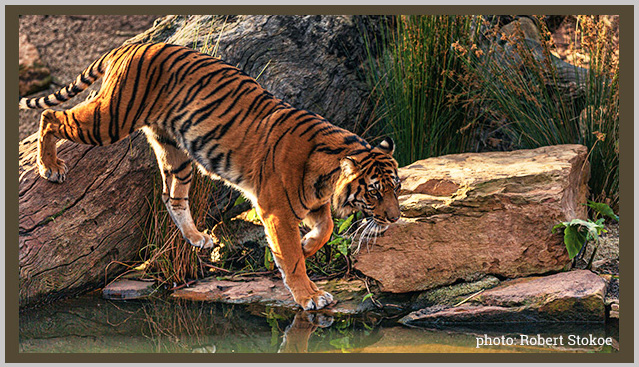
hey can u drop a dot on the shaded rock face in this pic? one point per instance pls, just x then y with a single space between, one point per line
70 233
469 215
574 296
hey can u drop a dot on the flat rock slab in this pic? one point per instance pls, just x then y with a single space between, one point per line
269 291
574 296
128 289
468 215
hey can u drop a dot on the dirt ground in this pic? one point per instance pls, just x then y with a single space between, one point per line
69 43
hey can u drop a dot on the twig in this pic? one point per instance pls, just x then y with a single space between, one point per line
187 284
215 267
469 298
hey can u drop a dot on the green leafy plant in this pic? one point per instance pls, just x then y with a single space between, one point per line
333 260
578 232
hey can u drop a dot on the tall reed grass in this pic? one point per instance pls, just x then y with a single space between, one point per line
436 83
543 101
413 74
168 257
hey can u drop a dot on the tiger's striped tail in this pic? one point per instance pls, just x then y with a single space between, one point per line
82 82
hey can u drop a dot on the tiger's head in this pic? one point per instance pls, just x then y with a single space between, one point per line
369 183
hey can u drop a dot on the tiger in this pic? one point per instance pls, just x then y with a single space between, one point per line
197 111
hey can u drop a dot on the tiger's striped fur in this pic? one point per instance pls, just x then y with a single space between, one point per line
291 163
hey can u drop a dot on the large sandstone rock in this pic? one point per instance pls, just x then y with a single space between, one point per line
468 215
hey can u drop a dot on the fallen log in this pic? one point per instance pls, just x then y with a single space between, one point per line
70 233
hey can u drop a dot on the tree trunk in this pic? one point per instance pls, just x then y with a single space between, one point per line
70 233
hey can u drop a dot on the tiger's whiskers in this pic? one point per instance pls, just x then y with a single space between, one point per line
368 230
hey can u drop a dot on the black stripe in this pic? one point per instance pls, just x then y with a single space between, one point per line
84 80
326 128
47 102
239 97
181 167
186 177
134 94
330 151
354 139
114 118
227 166
214 162
277 142
80 132
163 139
58 96
319 122
96 125
301 200
75 89
279 120
303 122
295 267
290 205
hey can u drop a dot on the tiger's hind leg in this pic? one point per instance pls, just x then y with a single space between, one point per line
177 172
321 224
87 123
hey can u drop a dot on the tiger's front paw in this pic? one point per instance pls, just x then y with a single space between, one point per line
54 172
319 319
317 301
201 240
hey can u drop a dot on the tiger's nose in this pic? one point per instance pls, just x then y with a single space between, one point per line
392 219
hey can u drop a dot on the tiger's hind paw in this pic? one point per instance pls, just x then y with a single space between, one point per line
202 240
55 172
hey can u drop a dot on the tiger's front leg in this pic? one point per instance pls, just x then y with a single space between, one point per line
284 240
177 172
321 224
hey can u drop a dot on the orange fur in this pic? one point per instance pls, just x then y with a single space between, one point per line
292 164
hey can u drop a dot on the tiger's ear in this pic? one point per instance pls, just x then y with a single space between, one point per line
349 166
387 146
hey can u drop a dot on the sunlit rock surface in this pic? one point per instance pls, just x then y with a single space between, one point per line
468 215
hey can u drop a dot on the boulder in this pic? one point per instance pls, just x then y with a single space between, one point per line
574 296
468 215
73 235
33 75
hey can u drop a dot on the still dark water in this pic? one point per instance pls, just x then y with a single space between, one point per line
90 324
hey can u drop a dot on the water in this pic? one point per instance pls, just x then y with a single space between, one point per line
90 324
